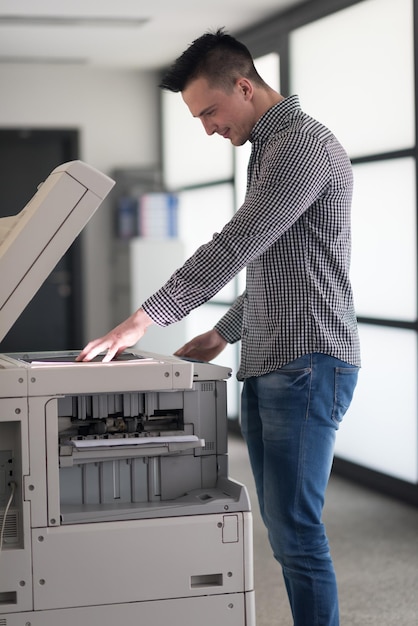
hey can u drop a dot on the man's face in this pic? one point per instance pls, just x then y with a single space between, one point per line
229 114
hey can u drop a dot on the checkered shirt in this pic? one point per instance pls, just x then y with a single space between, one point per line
292 233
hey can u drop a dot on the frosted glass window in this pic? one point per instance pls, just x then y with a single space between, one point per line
353 70
190 156
202 212
379 430
383 268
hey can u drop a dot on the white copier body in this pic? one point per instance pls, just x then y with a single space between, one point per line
115 502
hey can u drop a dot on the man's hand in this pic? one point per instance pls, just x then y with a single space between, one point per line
118 339
203 347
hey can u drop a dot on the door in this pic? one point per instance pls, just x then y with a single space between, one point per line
52 320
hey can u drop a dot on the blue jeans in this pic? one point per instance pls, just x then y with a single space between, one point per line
289 421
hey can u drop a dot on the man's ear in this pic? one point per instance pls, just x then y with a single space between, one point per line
245 86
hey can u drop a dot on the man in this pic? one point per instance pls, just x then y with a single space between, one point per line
296 320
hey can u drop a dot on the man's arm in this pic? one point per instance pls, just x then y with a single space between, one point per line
209 345
118 339
205 347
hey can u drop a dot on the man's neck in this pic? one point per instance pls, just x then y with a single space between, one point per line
265 99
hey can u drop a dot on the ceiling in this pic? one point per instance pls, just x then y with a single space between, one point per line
121 33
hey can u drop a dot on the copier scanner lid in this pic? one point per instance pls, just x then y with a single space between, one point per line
33 241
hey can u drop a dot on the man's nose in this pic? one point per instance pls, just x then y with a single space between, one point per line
209 127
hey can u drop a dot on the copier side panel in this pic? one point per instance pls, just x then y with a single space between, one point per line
15 514
206 408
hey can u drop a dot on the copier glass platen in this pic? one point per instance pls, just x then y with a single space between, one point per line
115 500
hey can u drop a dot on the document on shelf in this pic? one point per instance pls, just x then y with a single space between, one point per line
133 441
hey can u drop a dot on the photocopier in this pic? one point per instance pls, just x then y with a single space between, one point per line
116 506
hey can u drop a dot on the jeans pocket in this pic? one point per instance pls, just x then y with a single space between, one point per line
345 382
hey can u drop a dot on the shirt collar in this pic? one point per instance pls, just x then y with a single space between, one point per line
274 118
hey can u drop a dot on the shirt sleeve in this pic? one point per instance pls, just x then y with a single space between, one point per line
292 173
230 325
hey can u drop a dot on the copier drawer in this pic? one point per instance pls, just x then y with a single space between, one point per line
235 609
150 559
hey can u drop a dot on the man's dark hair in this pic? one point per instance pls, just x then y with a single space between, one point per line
218 57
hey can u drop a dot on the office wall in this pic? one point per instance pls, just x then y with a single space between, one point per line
116 114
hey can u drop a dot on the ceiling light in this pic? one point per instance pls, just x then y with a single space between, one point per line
71 20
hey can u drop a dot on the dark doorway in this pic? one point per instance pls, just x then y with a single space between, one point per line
52 320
